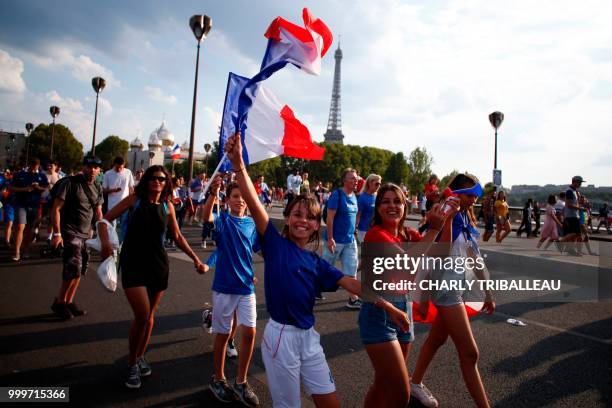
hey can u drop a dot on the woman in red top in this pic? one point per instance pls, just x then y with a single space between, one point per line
387 343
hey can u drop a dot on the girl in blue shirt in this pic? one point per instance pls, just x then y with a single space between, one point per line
293 276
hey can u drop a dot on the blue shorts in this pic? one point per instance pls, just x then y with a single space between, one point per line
8 213
489 222
375 326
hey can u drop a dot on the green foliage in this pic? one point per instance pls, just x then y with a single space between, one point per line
66 149
446 179
110 148
419 169
397 171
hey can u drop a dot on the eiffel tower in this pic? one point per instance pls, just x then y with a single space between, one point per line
334 123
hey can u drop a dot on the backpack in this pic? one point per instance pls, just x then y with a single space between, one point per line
70 179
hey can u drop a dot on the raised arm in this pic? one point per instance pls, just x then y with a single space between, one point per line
207 210
233 148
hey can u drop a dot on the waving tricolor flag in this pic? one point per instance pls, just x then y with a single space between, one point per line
269 128
175 152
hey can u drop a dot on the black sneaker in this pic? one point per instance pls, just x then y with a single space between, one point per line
221 390
144 367
354 304
245 393
133 379
61 310
74 309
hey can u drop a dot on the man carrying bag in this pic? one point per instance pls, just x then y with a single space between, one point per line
77 201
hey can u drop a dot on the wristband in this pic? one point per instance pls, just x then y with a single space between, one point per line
57 234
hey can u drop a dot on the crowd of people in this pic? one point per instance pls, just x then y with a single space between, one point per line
150 208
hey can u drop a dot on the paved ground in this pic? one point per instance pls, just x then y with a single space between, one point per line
562 358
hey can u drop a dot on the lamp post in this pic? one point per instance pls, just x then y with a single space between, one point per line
496 118
200 26
29 127
55 111
207 148
98 84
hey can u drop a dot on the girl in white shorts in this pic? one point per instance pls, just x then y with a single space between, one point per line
452 313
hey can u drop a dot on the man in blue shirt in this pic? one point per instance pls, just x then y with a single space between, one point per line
339 236
28 186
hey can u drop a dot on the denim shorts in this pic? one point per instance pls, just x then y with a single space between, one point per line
375 326
346 254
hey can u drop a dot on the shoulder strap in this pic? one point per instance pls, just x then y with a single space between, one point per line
87 192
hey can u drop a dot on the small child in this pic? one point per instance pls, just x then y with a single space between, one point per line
233 290
549 229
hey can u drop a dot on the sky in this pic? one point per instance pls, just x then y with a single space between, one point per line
414 73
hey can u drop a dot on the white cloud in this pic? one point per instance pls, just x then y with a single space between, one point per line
158 95
431 74
10 73
73 115
82 67
105 106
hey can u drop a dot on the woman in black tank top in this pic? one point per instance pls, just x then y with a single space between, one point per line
143 259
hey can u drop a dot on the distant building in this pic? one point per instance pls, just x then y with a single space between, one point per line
161 142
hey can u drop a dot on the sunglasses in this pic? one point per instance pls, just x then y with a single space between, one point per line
159 179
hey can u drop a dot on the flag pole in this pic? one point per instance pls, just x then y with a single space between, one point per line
215 172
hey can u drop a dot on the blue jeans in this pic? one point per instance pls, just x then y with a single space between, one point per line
346 254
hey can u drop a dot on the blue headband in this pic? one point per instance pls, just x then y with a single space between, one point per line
476 190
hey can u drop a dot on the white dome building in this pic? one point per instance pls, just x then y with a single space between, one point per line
164 136
136 144
155 144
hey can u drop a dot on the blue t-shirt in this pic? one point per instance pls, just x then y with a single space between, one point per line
293 277
365 204
24 179
236 242
345 217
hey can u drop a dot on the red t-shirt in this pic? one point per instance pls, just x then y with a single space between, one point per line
378 234
430 191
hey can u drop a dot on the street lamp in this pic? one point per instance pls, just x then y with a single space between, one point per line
200 26
54 111
29 127
496 118
207 148
98 84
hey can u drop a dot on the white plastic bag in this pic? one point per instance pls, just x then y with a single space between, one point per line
96 244
107 274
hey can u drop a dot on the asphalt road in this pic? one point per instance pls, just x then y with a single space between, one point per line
562 358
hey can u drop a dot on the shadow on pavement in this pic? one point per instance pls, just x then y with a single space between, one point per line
578 364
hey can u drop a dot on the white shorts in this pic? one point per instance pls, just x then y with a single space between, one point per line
224 306
290 353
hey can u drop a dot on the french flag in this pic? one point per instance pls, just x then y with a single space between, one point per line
302 46
270 129
288 43
175 153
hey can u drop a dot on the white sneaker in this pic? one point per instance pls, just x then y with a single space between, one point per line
203 245
231 351
422 393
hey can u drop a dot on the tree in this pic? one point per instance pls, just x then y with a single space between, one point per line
419 169
397 170
110 148
66 149
446 179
